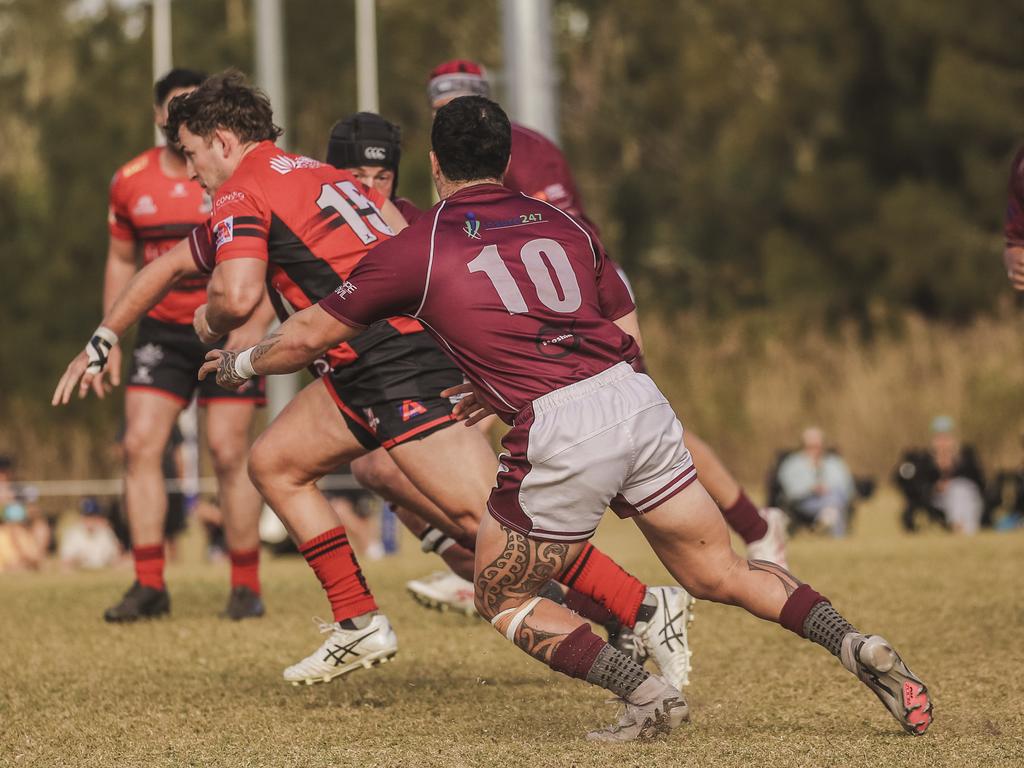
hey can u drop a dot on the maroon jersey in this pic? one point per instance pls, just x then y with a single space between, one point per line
539 169
310 221
407 208
155 211
1013 225
518 293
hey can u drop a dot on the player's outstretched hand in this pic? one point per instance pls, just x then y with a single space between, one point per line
471 407
222 363
86 370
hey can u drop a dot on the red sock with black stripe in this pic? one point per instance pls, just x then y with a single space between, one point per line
334 563
149 565
245 568
597 576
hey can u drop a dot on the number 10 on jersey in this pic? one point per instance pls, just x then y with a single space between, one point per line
540 257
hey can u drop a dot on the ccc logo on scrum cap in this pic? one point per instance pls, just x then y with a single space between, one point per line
375 153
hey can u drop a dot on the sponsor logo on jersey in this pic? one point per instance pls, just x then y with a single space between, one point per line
179 190
224 231
554 341
472 226
345 290
375 153
206 204
144 206
284 164
235 196
134 166
522 220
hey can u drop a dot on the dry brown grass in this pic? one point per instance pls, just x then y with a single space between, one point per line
750 391
195 690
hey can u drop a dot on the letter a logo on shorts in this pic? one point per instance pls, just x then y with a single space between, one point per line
411 409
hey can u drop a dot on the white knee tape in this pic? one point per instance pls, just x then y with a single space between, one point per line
518 618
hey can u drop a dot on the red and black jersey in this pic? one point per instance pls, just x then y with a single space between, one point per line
1013 224
310 221
156 211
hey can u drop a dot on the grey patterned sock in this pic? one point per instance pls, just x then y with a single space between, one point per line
616 672
826 627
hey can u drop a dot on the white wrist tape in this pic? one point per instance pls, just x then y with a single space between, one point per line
243 364
98 349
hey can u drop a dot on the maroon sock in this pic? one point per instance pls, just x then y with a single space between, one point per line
245 568
794 612
744 518
588 608
597 576
334 563
575 655
149 565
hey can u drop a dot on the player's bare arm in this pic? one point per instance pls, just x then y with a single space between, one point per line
393 217
119 271
298 341
1013 260
631 324
141 294
233 296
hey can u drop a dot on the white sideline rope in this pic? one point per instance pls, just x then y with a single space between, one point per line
115 486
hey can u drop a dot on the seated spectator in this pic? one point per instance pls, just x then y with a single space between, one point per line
24 532
89 543
816 484
945 481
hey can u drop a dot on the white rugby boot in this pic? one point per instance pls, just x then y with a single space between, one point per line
443 591
664 636
344 651
650 720
771 546
872 659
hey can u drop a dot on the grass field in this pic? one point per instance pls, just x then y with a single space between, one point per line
195 690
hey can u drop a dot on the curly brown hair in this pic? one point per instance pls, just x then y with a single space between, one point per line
223 101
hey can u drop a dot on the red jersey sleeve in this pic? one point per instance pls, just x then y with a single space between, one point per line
238 228
119 222
612 290
1013 224
389 281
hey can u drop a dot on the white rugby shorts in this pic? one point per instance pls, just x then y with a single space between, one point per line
611 440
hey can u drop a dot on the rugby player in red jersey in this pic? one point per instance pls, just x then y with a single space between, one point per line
539 169
1013 224
303 225
518 293
153 205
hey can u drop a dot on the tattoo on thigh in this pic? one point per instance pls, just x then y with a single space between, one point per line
789 581
519 572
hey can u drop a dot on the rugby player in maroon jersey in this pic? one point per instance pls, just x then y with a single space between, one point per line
539 169
303 226
153 205
519 294
1013 224
645 621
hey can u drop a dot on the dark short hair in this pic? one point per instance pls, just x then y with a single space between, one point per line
223 101
472 138
175 79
